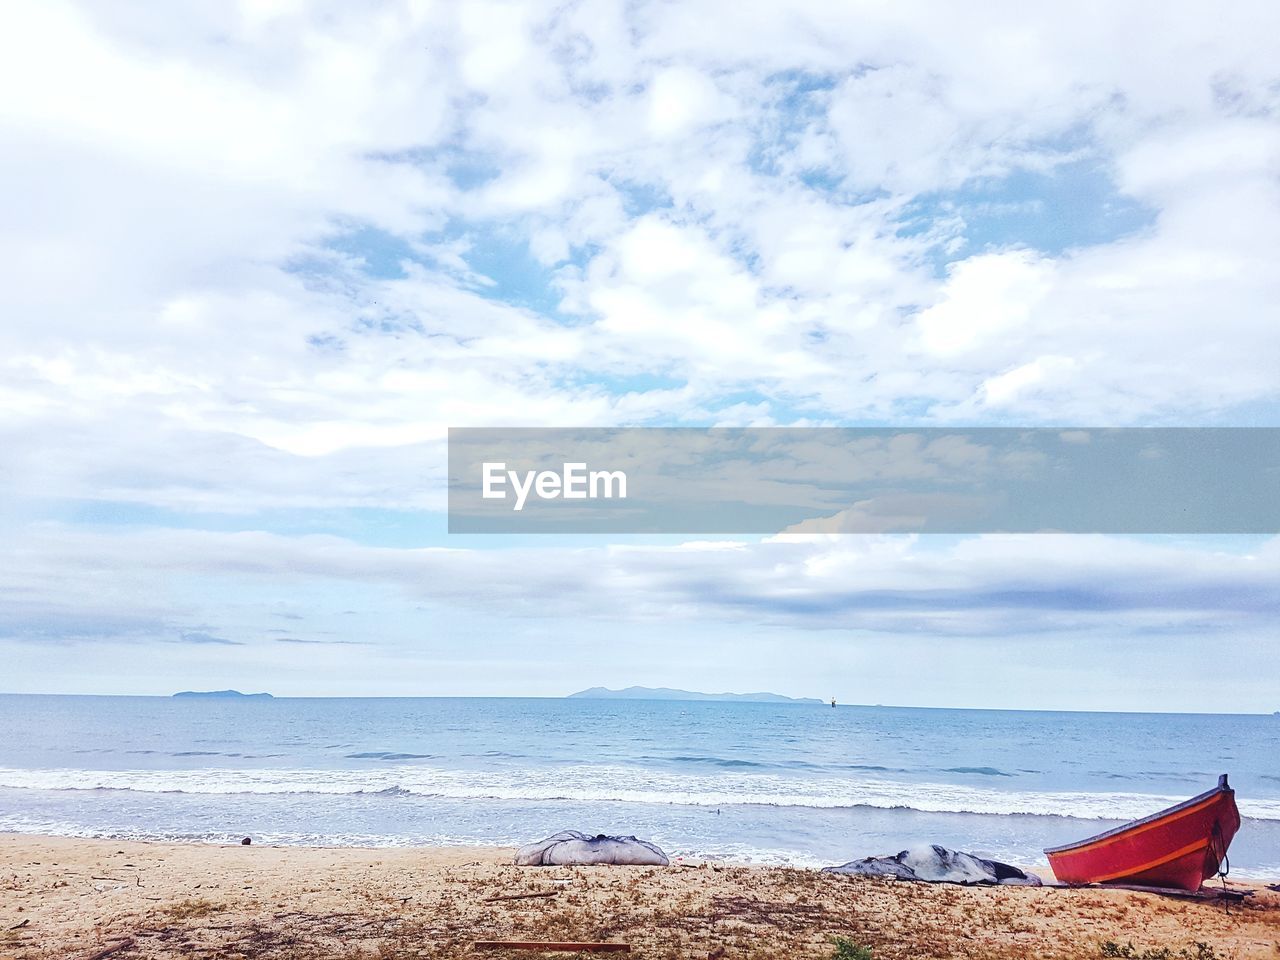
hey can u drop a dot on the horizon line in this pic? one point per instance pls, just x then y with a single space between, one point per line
799 702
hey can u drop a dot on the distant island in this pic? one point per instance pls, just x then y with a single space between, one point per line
224 695
666 693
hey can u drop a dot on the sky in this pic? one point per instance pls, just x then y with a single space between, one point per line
260 256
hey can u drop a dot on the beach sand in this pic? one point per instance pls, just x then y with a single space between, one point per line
63 897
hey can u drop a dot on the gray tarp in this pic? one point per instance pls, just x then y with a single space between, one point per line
569 847
937 864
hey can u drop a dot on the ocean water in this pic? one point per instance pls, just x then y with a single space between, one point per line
759 783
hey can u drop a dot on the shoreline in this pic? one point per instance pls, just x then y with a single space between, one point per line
1040 865
65 896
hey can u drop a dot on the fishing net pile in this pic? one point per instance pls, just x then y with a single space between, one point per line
935 864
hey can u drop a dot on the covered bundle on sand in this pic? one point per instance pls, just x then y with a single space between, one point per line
571 848
935 864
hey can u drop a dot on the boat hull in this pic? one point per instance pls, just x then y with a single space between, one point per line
1180 847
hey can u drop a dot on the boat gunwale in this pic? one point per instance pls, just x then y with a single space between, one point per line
1133 824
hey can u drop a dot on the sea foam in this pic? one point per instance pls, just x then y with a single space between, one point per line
615 783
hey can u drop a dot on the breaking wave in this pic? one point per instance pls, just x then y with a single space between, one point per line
612 783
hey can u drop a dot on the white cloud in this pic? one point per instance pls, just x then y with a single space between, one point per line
1007 388
994 586
984 297
168 173
681 100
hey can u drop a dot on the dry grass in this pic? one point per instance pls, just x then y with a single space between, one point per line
192 909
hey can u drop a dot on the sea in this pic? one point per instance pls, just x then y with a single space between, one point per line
763 783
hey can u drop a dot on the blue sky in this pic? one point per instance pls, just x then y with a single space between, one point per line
263 255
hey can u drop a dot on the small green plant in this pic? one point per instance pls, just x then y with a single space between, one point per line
1128 952
846 949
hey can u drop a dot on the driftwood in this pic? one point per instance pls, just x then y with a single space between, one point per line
549 947
523 896
108 951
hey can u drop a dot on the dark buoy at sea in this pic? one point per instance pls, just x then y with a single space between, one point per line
246 841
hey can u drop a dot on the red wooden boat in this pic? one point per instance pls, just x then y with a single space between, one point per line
1178 848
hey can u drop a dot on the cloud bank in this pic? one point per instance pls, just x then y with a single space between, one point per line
262 255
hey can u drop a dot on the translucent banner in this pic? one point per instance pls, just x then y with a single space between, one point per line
864 480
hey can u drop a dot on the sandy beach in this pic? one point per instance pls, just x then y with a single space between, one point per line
63 897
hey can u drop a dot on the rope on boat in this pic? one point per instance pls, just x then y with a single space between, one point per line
1218 847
